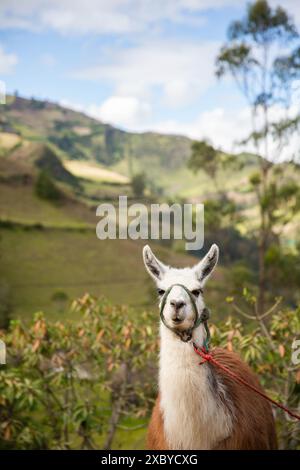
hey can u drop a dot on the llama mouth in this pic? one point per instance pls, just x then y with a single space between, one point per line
180 325
185 335
177 321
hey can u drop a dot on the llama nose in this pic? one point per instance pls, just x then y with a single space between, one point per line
177 304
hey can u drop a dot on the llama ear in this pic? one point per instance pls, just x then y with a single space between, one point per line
155 268
206 266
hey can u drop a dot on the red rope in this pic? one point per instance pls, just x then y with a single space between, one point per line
208 357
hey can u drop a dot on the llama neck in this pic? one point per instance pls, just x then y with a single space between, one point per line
194 416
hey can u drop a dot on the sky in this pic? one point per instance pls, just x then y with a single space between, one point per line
137 64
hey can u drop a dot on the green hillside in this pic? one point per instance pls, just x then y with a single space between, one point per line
48 249
80 137
49 252
74 136
39 156
37 264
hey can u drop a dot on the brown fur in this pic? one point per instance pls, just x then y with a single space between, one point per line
155 437
254 426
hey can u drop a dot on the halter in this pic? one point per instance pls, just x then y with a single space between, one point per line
202 318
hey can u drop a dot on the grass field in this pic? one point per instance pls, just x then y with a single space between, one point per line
53 247
94 172
9 140
19 203
64 255
94 192
181 182
37 263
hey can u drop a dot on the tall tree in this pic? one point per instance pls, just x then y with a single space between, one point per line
204 157
263 57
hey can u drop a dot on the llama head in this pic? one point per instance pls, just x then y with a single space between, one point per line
178 309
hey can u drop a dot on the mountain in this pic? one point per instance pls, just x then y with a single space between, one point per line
48 247
79 137
73 136
38 156
46 159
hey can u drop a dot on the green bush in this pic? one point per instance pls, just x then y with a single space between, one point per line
138 184
60 298
71 385
5 304
75 384
45 188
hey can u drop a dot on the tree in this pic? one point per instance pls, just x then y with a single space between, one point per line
204 157
138 184
60 298
263 57
45 188
5 304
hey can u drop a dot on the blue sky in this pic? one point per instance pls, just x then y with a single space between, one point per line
138 64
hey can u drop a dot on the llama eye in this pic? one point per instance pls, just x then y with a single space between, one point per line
197 292
160 291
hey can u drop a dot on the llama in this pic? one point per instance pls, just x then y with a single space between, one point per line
199 406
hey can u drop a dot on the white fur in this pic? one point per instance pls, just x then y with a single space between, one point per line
194 415
193 418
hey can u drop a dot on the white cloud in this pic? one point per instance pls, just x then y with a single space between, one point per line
102 16
217 125
177 92
7 61
113 16
123 111
126 112
226 129
178 71
72 105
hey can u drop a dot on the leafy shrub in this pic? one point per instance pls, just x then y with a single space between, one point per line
37 104
72 385
59 296
45 188
5 304
268 350
138 184
60 299
68 385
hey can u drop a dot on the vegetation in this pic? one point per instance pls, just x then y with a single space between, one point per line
85 377
66 387
204 156
138 184
36 262
5 304
262 56
91 384
46 189
79 137
60 298
43 157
